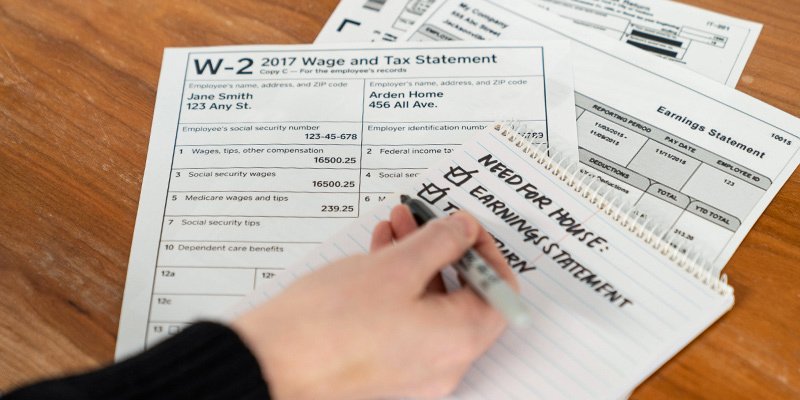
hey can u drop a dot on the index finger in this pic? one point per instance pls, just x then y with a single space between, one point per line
439 243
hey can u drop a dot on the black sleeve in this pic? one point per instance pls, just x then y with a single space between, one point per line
206 361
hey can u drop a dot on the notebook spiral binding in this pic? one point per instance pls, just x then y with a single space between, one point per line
607 201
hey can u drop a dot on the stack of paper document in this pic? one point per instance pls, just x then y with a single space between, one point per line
260 154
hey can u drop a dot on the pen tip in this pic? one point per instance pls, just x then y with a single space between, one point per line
404 198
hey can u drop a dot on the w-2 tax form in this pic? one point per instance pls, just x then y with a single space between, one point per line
259 153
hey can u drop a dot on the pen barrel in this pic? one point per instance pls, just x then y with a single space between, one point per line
493 289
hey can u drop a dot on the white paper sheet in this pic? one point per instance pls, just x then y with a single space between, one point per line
606 315
371 20
698 157
256 155
711 44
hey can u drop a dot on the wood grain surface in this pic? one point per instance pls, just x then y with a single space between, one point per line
77 86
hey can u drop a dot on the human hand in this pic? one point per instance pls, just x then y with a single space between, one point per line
379 325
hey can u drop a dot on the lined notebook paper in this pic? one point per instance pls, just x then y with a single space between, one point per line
612 301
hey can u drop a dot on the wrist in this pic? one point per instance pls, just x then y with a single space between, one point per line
257 329
297 363
255 339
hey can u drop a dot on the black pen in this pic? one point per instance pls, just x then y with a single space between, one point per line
480 276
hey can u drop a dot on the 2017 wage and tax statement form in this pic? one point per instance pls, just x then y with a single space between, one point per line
259 153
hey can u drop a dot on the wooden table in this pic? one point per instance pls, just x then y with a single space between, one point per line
77 87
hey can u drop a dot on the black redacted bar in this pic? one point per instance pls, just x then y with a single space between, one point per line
653 49
656 38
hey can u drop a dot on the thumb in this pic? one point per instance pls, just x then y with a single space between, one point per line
422 254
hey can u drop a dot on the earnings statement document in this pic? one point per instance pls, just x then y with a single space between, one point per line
258 154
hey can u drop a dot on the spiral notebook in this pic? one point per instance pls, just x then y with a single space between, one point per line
613 300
